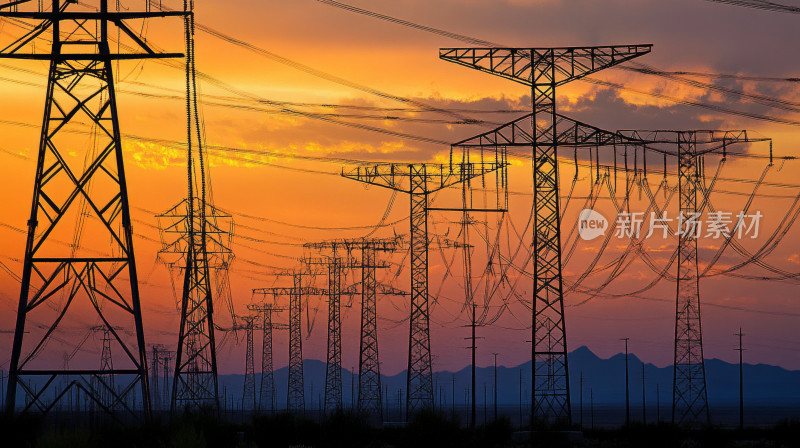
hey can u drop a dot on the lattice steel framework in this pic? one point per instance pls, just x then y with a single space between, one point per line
106 365
203 245
155 360
370 394
249 391
336 265
419 180
689 393
266 391
196 244
690 397
98 278
295 395
543 69
369 383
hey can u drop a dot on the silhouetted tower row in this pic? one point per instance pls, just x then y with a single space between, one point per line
82 199
295 396
336 262
160 377
543 69
369 386
419 180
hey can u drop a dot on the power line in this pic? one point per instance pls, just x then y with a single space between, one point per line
761 4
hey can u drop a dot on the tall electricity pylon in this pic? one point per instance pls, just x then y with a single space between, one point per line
104 384
370 403
266 391
419 180
336 265
83 199
249 392
295 395
689 393
196 244
550 373
155 363
543 69
369 382
201 245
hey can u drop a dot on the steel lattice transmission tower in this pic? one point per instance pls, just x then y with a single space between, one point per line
156 362
249 392
105 383
336 265
84 203
572 134
689 393
370 394
196 240
419 180
295 395
266 391
543 69
369 383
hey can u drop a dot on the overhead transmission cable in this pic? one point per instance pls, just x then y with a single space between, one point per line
761 4
640 68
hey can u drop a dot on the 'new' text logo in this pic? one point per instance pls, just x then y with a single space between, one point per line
591 224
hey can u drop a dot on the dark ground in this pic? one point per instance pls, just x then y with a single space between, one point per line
347 430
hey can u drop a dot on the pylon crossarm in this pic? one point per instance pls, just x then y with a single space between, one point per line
703 136
24 48
570 132
379 244
534 66
706 141
427 177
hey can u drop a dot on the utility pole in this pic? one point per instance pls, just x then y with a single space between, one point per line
485 405
591 405
495 386
454 396
98 272
581 400
627 386
473 348
644 399
543 69
352 389
520 398
658 404
741 380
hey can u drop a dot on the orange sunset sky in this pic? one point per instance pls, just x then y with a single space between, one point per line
292 195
